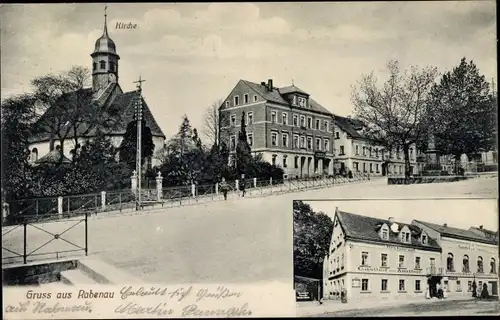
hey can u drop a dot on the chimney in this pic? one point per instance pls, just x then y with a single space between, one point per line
263 83
445 224
270 85
481 227
391 219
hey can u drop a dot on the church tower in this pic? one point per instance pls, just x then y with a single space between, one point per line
104 60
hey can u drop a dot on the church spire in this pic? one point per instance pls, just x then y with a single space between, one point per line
105 32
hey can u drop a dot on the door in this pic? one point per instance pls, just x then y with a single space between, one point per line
494 288
384 169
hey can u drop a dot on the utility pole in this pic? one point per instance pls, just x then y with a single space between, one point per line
138 157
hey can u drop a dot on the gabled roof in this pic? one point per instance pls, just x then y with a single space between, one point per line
365 228
53 156
457 233
348 125
290 89
488 233
122 104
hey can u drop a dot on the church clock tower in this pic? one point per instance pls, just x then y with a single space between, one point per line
104 60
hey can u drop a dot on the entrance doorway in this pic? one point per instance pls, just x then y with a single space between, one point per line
494 288
432 282
384 169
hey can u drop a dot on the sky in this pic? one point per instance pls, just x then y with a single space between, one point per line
458 213
193 54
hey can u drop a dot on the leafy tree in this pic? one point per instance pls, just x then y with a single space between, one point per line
311 240
17 116
128 147
395 114
243 152
463 112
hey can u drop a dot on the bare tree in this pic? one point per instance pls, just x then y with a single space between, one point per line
211 128
395 114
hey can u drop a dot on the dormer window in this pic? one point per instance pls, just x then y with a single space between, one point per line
405 235
424 238
302 102
384 232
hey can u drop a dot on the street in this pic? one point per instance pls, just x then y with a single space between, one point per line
436 308
239 240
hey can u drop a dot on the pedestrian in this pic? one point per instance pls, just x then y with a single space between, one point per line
427 293
242 185
224 188
445 288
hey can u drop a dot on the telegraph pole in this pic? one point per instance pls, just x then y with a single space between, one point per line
138 157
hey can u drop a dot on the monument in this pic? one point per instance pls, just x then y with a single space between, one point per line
432 166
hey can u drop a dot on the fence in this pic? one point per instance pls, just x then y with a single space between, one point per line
44 209
15 250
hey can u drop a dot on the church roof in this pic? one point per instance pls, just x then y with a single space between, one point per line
121 108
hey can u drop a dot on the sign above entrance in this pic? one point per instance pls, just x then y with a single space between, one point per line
320 154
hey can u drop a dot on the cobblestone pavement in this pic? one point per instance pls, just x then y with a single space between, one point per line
239 240
436 308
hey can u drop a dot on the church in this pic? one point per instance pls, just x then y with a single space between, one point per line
105 93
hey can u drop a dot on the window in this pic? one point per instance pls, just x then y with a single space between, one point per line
357 150
94 66
337 135
417 285
111 66
459 286
233 120
376 168
236 100
326 125
302 142
401 285
284 118
469 286
424 239
364 151
233 142
245 98
227 104
370 151
376 153
364 284
364 167
318 144
327 144
383 286
284 160
274 159
296 141
102 64
309 143
405 237
480 265
34 154
383 260
295 120
341 151
303 121
465 264
309 123
285 139
317 124
342 261
493 266
449 262
371 167
254 98
250 117
274 139
250 139
364 258
401 261
417 263
385 233
273 117
296 163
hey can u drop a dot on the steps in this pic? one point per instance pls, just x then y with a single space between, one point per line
94 271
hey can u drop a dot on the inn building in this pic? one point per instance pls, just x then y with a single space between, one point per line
355 152
283 124
379 259
467 256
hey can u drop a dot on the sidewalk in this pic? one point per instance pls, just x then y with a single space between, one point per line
305 309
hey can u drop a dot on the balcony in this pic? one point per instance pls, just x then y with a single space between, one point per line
434 271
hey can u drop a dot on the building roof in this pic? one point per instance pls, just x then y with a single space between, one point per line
457 233
276 96
53 156
349 126
365 228
120 105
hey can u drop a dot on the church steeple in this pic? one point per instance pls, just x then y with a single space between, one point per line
104 59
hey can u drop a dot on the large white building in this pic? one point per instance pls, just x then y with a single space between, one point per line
467 256
104 93
378 259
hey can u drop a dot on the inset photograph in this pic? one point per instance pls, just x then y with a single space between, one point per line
396 257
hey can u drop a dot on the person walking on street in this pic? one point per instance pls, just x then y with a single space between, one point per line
242 185
224 188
